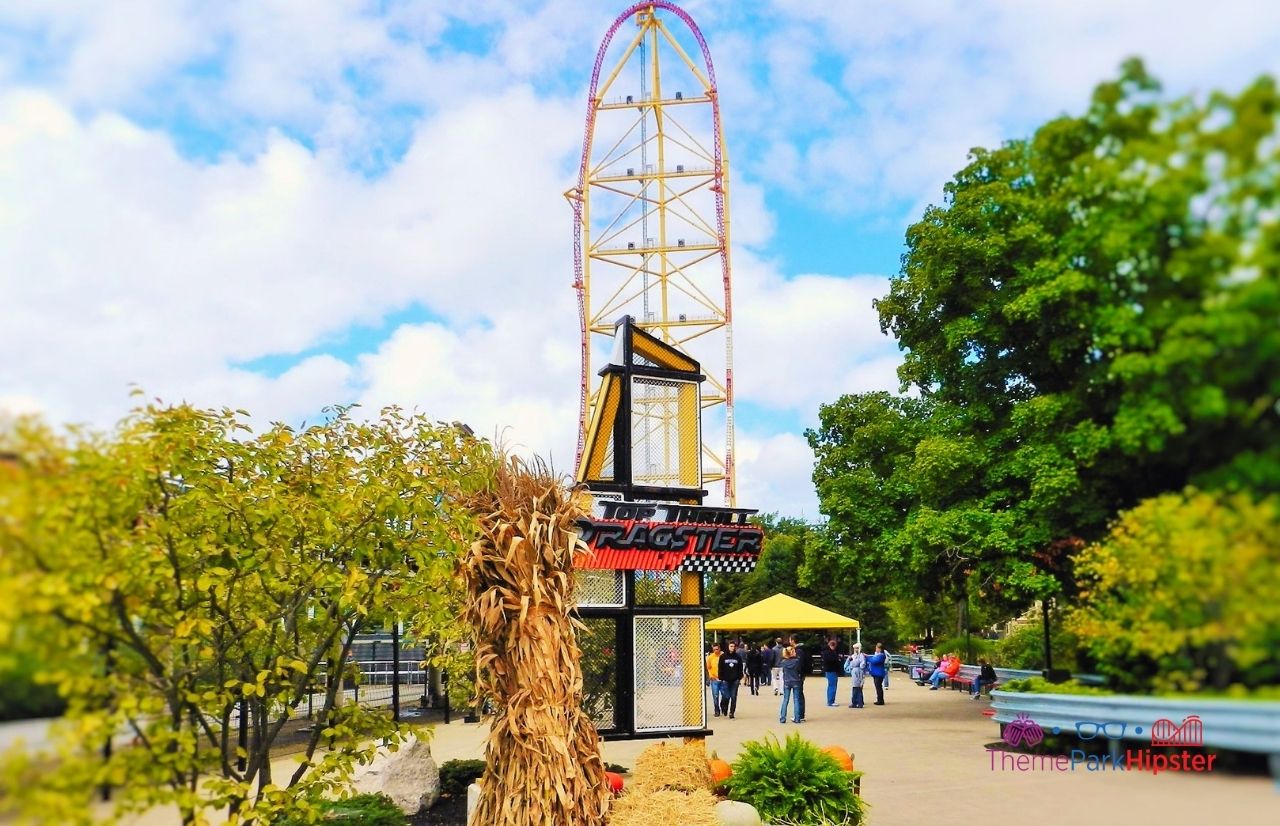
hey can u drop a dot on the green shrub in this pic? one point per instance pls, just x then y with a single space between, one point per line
1024 648
21 697
1039 685
981 647
1183 595
457 775
361 810
795 783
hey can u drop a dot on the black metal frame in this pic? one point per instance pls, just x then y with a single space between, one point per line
624 700
622 470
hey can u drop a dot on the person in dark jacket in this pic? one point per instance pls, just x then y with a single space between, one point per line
831 668
986 677
767 663
792 685
877 667
802 655
731 670
755 663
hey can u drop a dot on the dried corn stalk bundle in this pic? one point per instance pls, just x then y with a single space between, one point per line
665 807
667 766
543 754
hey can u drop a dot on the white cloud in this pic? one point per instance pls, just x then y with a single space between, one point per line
775 473
514 380
921 83
803 341
128 263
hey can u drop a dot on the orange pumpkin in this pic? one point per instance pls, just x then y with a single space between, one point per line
720 771
842 757
614 781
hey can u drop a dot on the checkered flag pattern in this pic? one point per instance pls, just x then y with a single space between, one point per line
719 563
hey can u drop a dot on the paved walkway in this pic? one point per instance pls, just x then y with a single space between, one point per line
923 753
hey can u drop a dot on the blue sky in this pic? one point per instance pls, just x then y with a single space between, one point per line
283 205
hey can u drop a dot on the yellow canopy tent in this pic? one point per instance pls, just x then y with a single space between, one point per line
781 611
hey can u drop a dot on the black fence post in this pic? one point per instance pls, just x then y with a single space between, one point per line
395 670
107 650
242 739
1048 647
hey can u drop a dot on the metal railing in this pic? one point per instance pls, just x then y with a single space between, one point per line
1238 725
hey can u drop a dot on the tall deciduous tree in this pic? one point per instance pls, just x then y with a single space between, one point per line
199 572
1089 320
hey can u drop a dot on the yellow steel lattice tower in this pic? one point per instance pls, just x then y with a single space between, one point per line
651 233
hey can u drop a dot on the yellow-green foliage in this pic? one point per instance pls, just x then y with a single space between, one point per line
1184 594
183 567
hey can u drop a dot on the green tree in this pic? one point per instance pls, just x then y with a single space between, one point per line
1184 594
1089 320
801 560
200 572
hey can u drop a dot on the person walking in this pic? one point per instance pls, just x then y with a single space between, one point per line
777 665
802 655
831 668
731 669
856 667
713 676
877 667
766 664
791 683
755 663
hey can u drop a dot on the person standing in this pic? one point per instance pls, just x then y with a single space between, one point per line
791 686
778 648
713 676
831 668
803 656
755 663
856 668
731 669
877 667
766 664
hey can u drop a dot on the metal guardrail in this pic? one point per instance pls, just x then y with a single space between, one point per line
1238 725
904 662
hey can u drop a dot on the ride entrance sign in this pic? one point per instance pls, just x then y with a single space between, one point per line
640 591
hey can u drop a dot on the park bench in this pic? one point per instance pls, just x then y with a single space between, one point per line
964 679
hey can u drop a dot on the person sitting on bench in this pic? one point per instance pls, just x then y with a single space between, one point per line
987 677
946 671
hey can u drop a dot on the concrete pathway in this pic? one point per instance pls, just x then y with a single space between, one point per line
923 753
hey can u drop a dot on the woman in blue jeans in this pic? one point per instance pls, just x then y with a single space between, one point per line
831 663
877 666
792 685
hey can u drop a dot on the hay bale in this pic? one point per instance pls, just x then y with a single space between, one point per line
664 806
682 768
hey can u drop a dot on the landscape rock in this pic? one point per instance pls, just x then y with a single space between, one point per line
473 800
736 813
409 776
